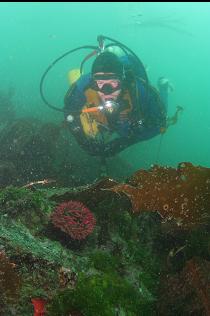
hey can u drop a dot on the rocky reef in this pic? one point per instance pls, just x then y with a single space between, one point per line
142 251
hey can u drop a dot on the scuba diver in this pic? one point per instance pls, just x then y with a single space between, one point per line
114 106
117 107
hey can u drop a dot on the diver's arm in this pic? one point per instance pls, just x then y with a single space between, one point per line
89 145
74 101
92 147
154 115
153 124
75 97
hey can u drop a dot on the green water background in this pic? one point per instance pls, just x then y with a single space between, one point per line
171 39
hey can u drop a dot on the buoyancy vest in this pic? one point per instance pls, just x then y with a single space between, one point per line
93 121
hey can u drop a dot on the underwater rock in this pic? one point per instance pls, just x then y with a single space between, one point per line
42 150
10 281
181 194
115 261
186 292
8 174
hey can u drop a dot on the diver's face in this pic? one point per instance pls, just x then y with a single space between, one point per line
111 96
107 85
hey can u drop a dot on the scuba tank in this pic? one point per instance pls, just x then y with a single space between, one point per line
73 75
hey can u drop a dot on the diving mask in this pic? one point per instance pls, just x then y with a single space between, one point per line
106 85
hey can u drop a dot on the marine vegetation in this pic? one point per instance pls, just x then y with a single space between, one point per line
143 249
